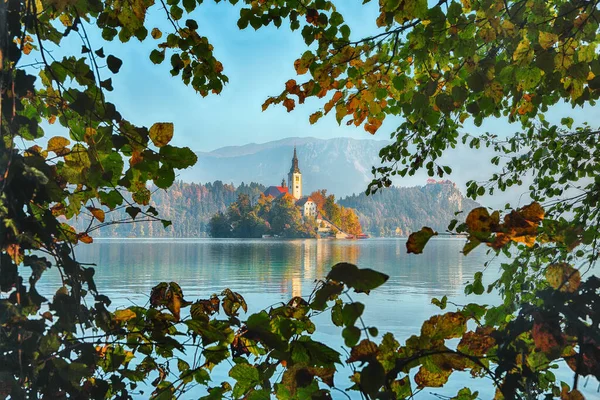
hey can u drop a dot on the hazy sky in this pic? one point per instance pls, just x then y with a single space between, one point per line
258 63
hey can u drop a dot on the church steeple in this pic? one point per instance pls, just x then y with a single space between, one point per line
294 168
295 178
283 183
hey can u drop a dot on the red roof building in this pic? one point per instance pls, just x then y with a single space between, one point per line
275 191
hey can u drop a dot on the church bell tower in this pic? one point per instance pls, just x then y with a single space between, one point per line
295 178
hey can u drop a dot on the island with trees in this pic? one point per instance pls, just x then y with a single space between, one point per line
282 211
281 217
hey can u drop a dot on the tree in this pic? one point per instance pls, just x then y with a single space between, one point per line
285 218
219 226
332 210
350 222
436 66
319 197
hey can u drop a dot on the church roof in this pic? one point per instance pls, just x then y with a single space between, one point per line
275 191
303 201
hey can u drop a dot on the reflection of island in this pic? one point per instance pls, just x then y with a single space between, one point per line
274 270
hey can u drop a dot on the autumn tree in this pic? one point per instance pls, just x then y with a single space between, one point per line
350 222
319 197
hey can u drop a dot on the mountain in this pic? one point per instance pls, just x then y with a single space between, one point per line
402 210
342 165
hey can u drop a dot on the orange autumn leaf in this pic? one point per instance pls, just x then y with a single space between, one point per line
85 238
289 104
97 213
548 337
300 67
477 343
136 158
291 85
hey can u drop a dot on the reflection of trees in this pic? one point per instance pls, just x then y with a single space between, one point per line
272 267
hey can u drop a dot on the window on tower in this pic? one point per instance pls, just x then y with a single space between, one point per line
297 179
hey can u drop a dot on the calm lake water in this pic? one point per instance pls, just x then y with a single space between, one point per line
267 272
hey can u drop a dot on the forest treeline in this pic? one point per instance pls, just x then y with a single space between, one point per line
281 217
397 211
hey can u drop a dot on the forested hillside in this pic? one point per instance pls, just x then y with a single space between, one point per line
189 206
401 210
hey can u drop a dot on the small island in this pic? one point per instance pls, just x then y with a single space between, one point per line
282 211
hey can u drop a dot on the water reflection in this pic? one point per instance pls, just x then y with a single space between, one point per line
129 268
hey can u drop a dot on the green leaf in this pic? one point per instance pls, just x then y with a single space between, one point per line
246 376
113 63
362 280
178 157
351 312
417 240
157 56
372 377
351 335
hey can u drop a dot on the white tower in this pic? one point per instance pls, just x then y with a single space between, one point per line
295 178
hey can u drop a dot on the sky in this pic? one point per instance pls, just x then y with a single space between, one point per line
258 63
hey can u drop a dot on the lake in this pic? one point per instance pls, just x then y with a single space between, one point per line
267 272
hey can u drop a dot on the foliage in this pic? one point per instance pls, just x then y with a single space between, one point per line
279 217
435 65
343 217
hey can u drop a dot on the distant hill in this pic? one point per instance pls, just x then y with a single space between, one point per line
342 165
402 210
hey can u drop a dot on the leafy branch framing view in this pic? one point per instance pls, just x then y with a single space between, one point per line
437 66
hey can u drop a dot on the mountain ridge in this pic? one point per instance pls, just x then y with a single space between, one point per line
343 165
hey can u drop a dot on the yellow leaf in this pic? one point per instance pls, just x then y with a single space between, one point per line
124 315
97 213
156 33
547 39
427 378
524 53
161 133
508 27
58 144
564 277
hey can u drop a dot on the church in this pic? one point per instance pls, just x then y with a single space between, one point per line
293 187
